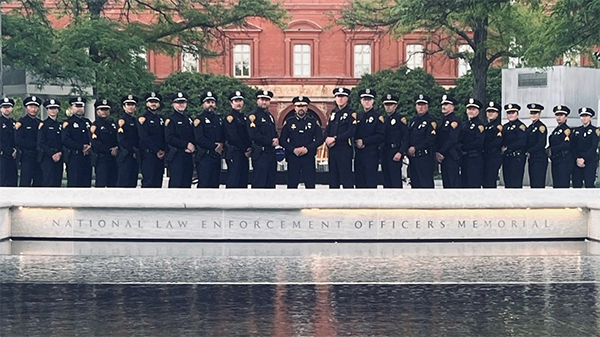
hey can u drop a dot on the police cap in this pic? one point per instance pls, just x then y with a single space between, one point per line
341 91
152 96
587 112
79 101
422 99
52 103
448 100
7 102
102 103
561 109
31 100
207 96
474 103
535 108
180 97
264 94
129 99
236 95
390 99
301 100
367 93
493 107
512 107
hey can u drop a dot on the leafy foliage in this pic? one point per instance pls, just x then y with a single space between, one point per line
195 84
464 89
406 84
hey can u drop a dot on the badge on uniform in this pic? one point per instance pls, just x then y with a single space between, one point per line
345 115
293 127
206 120
309 125
75 125
332 116
371 119
393 121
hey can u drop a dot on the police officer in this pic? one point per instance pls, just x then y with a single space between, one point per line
585 146
471 142
513 148
26 130
50 145
367 139
179 135
492 144
77 142
301 135
8 149
105 145
208 133
338 138
559 149
238 144
151 128
448 152
128 137
263 134
422 140
536 147
395 144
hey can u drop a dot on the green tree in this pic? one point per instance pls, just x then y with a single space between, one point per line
464 89
492 29
100 49
195 84
406 84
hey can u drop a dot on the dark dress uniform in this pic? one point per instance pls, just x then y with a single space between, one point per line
513 158
422 137
585 145
50 143
492 143
8 164
208 130
76 134
472 137
370 129
237 143
261 130
151 130
26 130
104 137
537 158
301 132
179 131
448 137
561 156
396 139
129 149
341 126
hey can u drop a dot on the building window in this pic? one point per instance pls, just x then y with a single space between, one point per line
414 56
463 65
189 60
302 60
362 60
241 60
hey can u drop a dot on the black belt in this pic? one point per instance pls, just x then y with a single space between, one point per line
561 154
421 153
513 153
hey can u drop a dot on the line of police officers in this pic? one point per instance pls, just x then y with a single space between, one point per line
470 153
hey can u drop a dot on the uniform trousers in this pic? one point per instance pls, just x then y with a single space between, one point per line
513 169
237 169
303 166
79 170
585 176
106 171
52 172
128 171
451 173
392 170
340 166
491 166
562 167
264 170
366 165
152 170
472 171
181 170
208 170
31 171
538 165
8 171
421 171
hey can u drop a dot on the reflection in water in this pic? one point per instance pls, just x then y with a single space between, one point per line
301 310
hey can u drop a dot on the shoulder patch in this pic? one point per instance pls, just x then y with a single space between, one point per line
41 125
404 120
523 127
18 125
500 127
354 115
381 118
65 124
142 120
481 128
229 118
542 129
252 118
196 122
567 132
167 121
434 125
121 122
598 132
93 129
454 124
